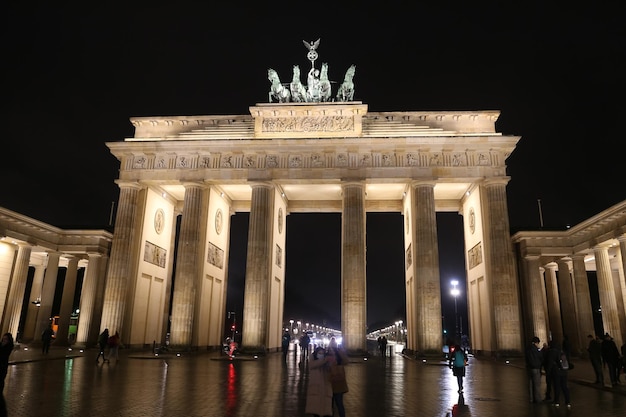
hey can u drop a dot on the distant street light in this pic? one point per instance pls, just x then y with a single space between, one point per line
455 293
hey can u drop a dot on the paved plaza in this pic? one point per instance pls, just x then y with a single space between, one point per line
70 383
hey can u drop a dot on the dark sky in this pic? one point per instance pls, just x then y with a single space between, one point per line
73 77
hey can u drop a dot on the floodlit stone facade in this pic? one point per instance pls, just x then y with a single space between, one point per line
281 158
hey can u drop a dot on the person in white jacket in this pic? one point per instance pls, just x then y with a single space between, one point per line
319 394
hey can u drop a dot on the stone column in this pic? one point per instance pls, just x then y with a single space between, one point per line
568 306
67 301
121 265
259 257
33 309
87 300
583 301
554 304
353 277
618 285
606 290
536 289
622 251
13 310
188 261
427 277
96 319
47 294
500 266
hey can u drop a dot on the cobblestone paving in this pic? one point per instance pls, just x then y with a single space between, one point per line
211 385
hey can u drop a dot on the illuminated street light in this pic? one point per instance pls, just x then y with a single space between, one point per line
455 293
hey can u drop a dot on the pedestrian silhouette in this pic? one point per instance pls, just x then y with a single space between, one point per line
103 340
6 347
457 363
534 360
595 356
285 344
559 370
383 346
46 339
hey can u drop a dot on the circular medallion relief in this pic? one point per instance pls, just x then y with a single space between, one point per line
472 220
218 221
159 221
280 220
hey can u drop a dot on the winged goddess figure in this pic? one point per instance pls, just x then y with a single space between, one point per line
312 55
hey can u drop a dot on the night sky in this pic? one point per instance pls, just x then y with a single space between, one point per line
74 77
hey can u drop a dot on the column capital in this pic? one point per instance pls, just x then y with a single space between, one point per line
129 184
551 266
602 246
487 182
261 184
423 183
193 184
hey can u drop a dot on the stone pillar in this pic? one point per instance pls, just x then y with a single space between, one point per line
427 277
554 304
568 306
536 289
500 267
121 265
259 257
33 309
622 252
47 294
13 310
606 290
67 301
618 285
96 319
353 277
188 262
583 301
87 300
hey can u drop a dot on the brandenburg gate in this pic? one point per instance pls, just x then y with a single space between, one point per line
306 153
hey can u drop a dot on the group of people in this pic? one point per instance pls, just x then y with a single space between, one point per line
327 380
304 342
113 342
603 352
382 345
554 359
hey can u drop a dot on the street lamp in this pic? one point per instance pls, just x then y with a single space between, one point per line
455 293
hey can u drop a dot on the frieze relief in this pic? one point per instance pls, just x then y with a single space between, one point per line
313 160
307 124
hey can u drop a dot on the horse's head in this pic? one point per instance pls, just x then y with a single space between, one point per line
350 72
324 72
272 75
296 73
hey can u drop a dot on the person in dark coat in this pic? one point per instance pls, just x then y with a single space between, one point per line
595 356
285 344
559 375
547 367
534 361
610 355
46 339
6 347
103 340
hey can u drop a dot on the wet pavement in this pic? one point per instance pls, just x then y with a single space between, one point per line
70 383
